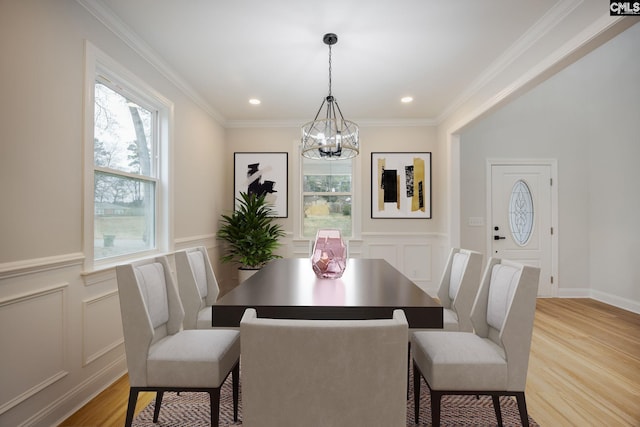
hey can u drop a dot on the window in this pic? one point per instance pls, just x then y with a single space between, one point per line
126 195
124 174
521 213
327 196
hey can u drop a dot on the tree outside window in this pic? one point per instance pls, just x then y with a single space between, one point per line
327 196
124 173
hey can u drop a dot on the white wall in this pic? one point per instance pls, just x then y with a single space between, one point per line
60 330
586 117
373 139
614 196
415 246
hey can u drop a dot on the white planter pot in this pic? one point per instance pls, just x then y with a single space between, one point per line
244 274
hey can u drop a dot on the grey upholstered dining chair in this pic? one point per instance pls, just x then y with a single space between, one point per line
458 287
161 355
198 287
493 359
323 372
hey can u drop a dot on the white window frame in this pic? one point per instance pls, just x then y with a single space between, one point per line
99 65
356 198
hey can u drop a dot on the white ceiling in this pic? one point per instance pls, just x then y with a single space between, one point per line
440 52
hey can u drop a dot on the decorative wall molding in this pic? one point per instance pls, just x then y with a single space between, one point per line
299 248
99 276
100 337
50 332
209 241
107 273
547 23
82 393
419 256
112 22
244 124
38 265
355 248
402 235
26 296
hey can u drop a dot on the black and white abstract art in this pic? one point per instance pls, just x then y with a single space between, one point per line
263 173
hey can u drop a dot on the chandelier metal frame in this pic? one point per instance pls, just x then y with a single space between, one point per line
331 137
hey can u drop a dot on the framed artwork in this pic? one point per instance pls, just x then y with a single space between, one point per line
263 173
401 185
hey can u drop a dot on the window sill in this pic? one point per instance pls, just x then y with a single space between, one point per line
106 271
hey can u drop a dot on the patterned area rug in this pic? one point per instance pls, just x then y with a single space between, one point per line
192 409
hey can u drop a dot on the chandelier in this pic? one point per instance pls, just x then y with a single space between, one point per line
330 137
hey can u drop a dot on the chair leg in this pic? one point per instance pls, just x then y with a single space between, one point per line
436 398
214 398
416 391
131 406
408 366
156 410
522 408
235 377
496 407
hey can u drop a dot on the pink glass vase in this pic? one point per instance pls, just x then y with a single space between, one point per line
329 257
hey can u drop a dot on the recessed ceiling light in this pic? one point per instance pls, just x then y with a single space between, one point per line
406 99
254 101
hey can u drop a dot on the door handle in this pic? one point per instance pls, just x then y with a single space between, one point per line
498 237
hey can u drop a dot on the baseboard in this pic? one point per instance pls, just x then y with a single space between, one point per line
614 300
574 293
70 402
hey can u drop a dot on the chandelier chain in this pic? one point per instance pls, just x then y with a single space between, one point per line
329 70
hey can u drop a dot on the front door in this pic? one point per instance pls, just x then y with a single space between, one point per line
521 218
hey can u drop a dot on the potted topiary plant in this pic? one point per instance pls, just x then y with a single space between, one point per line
250 233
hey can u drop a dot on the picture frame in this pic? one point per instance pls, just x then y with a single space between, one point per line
401 185
263 173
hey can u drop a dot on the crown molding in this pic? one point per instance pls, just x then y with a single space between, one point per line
231 124
542 27
110 20
599 32
545 24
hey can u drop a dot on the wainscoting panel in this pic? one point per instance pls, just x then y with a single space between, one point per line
417 262
208 241
33 336
100 336
386 251
298 248
419 256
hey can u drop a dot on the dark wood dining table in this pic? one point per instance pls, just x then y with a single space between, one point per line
368 289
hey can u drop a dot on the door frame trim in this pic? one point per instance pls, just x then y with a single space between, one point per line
553 164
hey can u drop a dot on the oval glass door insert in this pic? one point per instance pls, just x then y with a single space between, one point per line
521 213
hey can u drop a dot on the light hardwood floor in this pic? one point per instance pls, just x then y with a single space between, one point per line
584 370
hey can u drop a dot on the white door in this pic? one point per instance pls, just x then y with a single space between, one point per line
521 218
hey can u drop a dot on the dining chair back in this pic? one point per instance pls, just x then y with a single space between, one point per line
492 360
458 287
323 372
161 355
198 287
